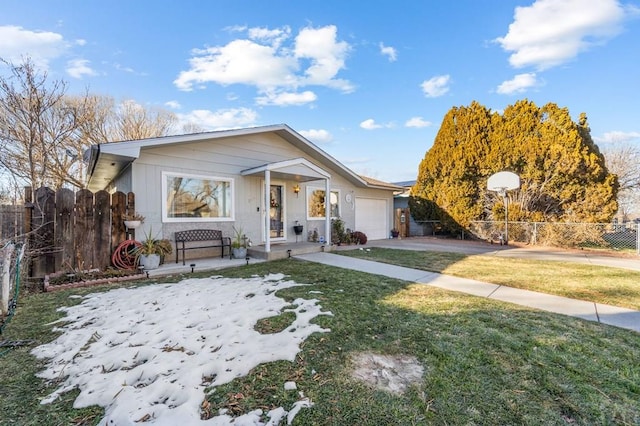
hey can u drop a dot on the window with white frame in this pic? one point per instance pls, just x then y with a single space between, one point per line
196 198
316 203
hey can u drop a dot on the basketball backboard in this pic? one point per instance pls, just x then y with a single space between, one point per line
503 181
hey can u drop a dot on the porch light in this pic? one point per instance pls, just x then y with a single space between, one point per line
296 189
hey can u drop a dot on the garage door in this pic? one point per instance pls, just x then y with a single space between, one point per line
372 218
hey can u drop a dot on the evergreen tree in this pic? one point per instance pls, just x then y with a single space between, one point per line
563 174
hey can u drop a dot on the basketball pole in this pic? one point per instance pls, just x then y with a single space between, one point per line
502 182
506 218
505 200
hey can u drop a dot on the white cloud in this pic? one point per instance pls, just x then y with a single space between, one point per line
327 56
239 62
16 43
77 68
519 84
436 86
272 37
286 98
220 119
417 122
388 51
618 137
121 67
370 124
317 135
262 60
551 32
173 104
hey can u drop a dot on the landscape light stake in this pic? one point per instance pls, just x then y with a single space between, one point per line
142 271
193 265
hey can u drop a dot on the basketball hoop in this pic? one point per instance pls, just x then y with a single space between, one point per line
501 183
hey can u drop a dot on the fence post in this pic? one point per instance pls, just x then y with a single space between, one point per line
5 284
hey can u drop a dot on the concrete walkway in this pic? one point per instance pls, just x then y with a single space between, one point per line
606 314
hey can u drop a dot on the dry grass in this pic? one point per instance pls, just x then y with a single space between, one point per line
600 284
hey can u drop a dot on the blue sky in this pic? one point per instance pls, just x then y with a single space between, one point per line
368 82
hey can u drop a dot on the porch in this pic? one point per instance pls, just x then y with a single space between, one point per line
283 250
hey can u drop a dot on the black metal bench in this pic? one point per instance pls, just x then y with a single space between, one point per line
212 237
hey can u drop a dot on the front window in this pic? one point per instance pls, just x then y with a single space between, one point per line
316 206
194 198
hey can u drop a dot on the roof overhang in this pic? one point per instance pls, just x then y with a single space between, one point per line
104 166
298 169
106 161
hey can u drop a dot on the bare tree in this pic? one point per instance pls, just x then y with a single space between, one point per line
44 132
35 126
191 127
133 121
623 159
103 120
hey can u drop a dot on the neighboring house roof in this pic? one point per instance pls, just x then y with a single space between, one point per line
406 188
406 183
108 160
380 184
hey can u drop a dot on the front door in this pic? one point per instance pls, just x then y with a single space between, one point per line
276 212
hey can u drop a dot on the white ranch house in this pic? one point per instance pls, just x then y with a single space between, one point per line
264 180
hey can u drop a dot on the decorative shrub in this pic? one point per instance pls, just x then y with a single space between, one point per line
338 234
359 237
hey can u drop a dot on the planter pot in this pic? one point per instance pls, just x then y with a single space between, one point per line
149 261
297 229
239 253
132 224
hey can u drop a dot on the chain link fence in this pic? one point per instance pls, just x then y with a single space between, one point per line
612 236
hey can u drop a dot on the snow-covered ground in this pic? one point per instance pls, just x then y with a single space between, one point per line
149 353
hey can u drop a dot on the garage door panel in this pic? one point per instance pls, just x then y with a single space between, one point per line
372 218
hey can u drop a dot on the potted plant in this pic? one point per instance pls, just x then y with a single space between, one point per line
164 248
394 233
238 244
133 220
151 250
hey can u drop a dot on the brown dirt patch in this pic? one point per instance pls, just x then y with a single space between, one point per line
392 373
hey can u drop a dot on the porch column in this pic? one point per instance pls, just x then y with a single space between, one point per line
267 204
327 211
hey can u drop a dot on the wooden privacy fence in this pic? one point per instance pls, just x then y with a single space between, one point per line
74 231
11 222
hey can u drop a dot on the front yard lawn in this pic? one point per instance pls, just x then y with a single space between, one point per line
483 361
593 283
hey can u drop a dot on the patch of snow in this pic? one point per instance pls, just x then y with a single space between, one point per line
151 352
290 386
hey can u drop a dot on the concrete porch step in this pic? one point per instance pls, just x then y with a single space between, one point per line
281 251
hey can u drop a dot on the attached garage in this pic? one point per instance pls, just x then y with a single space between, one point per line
372 217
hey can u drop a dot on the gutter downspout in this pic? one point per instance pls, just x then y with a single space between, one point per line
267 223
327 212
